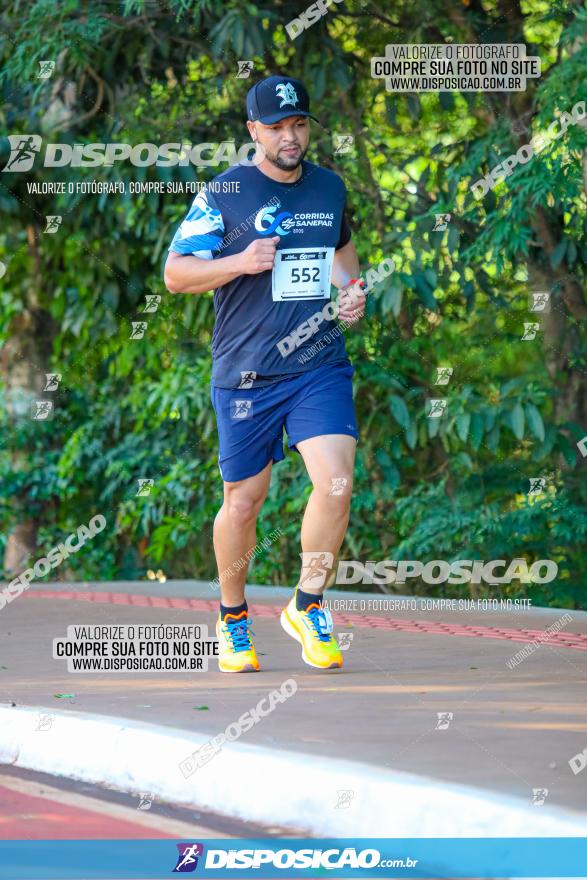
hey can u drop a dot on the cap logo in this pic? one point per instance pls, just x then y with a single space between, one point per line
287 93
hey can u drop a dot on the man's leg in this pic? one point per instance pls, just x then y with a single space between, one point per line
235 533
329 460
234 537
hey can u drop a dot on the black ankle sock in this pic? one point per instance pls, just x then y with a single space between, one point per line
305 599
238 609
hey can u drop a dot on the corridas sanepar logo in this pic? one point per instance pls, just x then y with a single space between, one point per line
267 224
187 860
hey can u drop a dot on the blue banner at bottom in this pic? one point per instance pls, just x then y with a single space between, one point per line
502 857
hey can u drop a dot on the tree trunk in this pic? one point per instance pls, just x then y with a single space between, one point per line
24 361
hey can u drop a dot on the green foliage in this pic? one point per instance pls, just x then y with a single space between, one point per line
127 410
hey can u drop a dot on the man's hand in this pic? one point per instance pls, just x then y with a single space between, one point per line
259 256
351 303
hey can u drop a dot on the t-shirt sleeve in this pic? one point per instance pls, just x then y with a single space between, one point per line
345 229
202 231
345 232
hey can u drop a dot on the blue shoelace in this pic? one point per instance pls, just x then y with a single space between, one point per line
318 620
238 633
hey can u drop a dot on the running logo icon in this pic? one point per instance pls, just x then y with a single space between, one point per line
187 860
152 301
243 409
530 330
53 223
540 302
245 69
23 151
46 69
441 222
41 410
287 93
138 329
247 378
316 566
52 381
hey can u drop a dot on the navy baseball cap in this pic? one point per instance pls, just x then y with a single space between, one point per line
277 97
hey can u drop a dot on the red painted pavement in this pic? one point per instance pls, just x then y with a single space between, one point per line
28 817
574 641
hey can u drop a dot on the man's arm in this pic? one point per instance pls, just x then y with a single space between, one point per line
188 274
345 265
345 268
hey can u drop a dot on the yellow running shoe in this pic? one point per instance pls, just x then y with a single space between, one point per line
312 628
236 650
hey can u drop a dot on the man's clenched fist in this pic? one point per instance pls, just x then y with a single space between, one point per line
351 303
259 256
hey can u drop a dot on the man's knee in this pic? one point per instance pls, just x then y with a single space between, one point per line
336 486
242 509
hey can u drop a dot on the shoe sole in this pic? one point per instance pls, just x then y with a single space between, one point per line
292 631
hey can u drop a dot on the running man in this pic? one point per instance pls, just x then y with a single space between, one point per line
271 237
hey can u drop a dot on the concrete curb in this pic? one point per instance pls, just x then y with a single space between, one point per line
268 786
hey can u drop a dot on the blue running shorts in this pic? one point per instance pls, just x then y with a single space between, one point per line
251 421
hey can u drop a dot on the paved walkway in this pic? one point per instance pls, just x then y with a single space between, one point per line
512 730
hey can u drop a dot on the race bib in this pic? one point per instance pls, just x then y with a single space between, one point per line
302 273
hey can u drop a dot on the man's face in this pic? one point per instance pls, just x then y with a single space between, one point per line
285 142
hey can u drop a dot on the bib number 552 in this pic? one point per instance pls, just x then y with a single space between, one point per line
307 274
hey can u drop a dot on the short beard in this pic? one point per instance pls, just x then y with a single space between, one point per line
287 164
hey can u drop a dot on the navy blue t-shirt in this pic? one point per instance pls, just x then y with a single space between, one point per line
276 323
